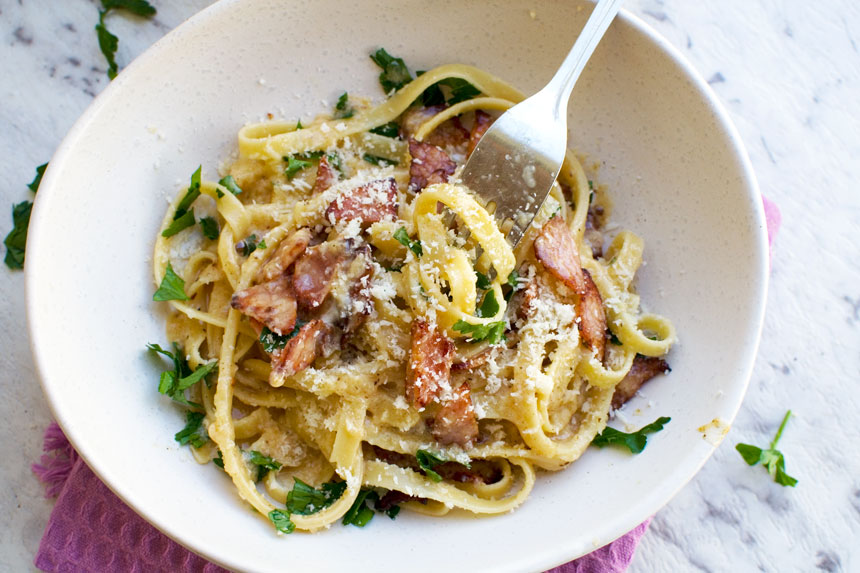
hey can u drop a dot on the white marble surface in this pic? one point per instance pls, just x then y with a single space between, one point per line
789 73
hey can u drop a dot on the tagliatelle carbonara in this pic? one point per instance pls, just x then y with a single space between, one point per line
352 329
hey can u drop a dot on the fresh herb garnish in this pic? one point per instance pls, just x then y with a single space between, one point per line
193 433
230 185
210 228
299 125
264 463
483 281
458 90
172 287
183 222
305 499
392 511
494 332
394 73
359 514
16 240
390 129
294 165
614 339
272 341
108 43
250 244
378 160
489 306
634 441
219 460
771 458
342 109
427 461
37 180
183 217
403 238
282 521
174 383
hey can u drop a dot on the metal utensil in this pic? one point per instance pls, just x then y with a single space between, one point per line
517 160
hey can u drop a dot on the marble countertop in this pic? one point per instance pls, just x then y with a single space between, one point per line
789 74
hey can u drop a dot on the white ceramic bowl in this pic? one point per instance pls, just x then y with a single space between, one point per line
675 167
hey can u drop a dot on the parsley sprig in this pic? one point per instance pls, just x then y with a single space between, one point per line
193 433
272 341
359 514
174 383
413 245
229 184
108 43
250 244
394 73
378 160
635 441
771 458
428 460
263 462
282 521
172 287
343 109
305 499
183 217
16 240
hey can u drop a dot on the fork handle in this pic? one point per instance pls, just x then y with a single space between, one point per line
564 79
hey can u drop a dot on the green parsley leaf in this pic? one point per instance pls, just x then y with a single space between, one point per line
432 95
230 185
108 44
771 458
299 125
272 341
494 332
137 7
614 339
483 281
250 244
458 90
16 240
201 372
175 383
390 129
210 228
392 511
403 238
394 74
172 287
40 171
264 463
282 521
219 460
183 222
191 433
305 499
634 441
513 280
489 306
180 366
191 195
378 160
342 109
427 461
294 165
359 514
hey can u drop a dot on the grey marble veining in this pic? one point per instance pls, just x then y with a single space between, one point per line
789 74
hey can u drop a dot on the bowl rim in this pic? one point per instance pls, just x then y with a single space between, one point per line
549 557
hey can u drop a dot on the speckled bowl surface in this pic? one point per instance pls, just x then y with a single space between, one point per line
675 167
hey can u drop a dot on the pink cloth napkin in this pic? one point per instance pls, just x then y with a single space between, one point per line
91 529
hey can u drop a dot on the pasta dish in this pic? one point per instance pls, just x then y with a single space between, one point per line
352 331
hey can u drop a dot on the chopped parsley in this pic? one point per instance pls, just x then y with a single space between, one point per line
299 125
172 287
614 339
108 43
378 160
457 89
229 184
183 217
483 281
294 165
210 227
250 244
634 441
264 463
390 129
489 306
771 458
392 511
342 109
174 383
305 499
359 514
272 341
394 73
494 332
183 222
219 460
193 433
16 240
403 238
427 461
37 180
282 521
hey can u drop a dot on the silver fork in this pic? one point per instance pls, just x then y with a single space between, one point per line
517 160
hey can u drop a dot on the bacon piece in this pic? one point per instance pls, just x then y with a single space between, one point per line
372 202
474 361
455 421
556 249
287 253
448 133
530 294
429 165
430 359
412 119
483 121
271 303
313 272
325 176
299 353
482 471
360 301
394 497
644 368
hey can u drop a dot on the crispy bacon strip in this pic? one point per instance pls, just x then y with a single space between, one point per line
299 353
449 133
644 368
361 303
313 272
474 361
271 303
530 294
288 251
455 421
373 202
326 176
483 121
556 249
429 165
430 359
